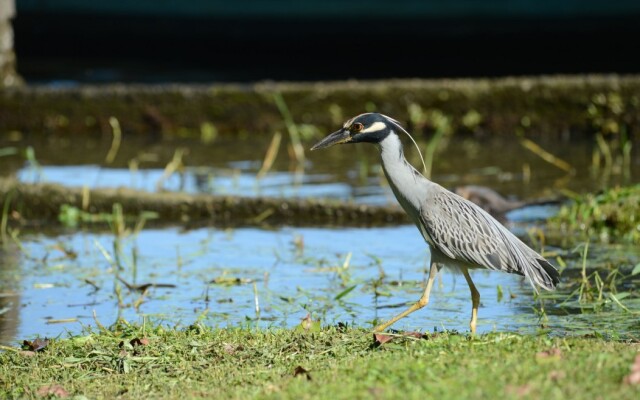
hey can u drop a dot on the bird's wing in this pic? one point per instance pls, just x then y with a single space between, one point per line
464 232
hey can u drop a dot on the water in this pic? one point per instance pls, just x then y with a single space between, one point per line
53 283
48 281
230 166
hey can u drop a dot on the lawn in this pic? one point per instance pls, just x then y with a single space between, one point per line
333 362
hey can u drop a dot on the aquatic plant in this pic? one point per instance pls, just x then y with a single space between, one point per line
609 215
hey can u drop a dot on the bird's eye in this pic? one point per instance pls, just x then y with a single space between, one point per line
357 127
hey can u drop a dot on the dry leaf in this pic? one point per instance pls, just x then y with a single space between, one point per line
36 345
231 349
301 371
27 353
551 353
53 390
519 391
139 342
380 338
634 376
557 375
376 392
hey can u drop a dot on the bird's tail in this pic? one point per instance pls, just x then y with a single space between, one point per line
544 274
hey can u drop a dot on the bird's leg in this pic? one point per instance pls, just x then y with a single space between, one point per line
475 300
424 300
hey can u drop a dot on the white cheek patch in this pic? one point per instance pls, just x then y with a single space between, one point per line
375 127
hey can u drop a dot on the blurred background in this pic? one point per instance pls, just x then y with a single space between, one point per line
250 40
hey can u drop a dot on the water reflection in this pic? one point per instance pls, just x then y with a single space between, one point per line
230 166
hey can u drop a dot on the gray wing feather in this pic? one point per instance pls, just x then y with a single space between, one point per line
464 232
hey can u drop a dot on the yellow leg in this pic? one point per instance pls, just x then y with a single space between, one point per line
475 300
424 300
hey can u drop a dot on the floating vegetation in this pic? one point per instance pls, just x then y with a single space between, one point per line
599 283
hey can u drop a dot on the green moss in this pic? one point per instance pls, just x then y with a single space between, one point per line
332 363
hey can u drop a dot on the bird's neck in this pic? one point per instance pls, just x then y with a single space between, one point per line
409 186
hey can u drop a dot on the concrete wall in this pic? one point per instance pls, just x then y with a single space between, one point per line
8 74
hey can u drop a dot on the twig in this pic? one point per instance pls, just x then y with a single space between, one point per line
545 155
99 325
117 139
272 153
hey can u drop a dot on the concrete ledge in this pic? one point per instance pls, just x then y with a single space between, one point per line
551 106
31 204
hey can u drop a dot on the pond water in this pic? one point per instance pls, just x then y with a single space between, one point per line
51 284
230 166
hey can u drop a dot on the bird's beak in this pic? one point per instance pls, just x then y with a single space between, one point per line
339 137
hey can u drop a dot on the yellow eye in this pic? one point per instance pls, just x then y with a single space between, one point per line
357 127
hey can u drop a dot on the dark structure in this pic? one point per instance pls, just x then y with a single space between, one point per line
8 76
216 40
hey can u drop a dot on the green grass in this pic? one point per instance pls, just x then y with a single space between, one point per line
341 363
613 214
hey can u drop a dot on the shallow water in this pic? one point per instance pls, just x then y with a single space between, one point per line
290 281
296 271
230 166
52 284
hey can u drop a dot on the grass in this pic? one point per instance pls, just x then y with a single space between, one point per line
336 362
613 214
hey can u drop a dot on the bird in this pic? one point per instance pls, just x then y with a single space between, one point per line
461 236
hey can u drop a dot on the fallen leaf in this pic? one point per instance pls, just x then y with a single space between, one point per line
557 375
27 353
52 390
231 349
139 342
634 376
376 392
301 371
551 353
36 345
519 391
380 338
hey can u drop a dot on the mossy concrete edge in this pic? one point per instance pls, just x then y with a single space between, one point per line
551 105
42 203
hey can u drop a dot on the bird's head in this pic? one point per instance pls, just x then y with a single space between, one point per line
369 127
